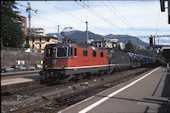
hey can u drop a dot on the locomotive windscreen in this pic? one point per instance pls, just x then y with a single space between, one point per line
49 52
62 52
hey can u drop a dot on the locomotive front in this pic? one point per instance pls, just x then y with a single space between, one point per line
56 58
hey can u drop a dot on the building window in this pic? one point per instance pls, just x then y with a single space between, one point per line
94 53
101 54
47 39
23 20
85 53
75 51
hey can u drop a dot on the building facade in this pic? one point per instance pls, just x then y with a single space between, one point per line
22 21
37 32
108 43
103 43
38 43
121 45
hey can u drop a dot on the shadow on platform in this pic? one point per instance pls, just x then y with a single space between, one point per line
166 94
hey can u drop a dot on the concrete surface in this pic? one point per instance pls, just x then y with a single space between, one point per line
143 94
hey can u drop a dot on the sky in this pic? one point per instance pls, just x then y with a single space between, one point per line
135 18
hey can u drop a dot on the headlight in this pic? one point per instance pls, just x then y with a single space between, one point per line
63 66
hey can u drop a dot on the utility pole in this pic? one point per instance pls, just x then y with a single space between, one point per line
169 11
151 42
58 35
137 43
87 32
154 40
29 19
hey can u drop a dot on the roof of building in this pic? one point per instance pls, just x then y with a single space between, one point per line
44 37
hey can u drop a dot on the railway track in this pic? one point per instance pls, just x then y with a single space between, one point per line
73 93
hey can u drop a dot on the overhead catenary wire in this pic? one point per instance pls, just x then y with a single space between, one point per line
65 11
79 18
159 29
51 21
102 18
71 15
140 36
123 19
94 12
46 19
112 11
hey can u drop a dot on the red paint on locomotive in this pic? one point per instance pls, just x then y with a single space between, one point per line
94 58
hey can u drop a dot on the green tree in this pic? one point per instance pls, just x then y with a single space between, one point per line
129 46
145 52
11 33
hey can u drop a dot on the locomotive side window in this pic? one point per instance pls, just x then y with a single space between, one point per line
70 51
49 52
85 53
94 53
75 52
62 52
101 54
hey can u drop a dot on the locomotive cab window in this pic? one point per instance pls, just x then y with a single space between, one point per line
85 53
49 52
101 54
62 52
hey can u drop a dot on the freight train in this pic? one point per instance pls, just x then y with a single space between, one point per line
65 61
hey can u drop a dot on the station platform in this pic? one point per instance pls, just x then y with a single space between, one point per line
18 80
146 93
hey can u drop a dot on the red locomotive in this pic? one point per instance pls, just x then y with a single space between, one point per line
65 59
